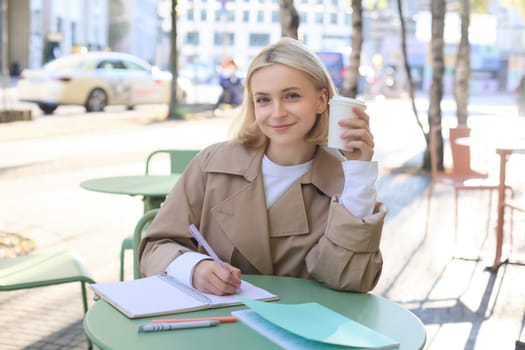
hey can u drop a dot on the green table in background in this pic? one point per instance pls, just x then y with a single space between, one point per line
153 188
109 329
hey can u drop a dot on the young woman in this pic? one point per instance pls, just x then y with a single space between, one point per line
274 200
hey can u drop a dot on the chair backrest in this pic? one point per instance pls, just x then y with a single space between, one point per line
460 153
179 159
461 156
141 227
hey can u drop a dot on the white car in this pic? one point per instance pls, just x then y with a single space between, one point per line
95 80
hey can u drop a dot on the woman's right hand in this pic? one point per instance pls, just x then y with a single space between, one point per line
210 277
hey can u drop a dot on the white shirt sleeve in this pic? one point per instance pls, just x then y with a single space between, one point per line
182 267
359 193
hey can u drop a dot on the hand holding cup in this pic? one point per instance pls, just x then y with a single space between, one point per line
349 129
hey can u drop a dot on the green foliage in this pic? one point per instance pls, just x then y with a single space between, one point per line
479 6
515 3
375 4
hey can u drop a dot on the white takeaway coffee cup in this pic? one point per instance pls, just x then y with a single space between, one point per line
340 108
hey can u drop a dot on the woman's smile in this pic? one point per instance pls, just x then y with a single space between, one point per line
282 127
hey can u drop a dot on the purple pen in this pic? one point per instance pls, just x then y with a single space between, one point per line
198 236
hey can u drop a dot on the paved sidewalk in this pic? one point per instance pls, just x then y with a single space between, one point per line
462 305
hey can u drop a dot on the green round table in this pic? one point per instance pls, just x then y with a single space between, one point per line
109 329
153 188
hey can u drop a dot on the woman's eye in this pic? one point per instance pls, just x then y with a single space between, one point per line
292 96
260 100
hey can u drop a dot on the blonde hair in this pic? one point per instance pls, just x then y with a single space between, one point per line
294 54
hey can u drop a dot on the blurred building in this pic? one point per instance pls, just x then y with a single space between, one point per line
211 31
134 27
40 30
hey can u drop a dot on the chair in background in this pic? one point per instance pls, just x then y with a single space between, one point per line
178 160
140 229
46 269
461 177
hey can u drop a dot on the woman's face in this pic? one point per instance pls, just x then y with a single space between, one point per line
286 103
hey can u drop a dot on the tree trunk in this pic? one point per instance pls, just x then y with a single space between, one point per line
407 64
462 76
438 69
351 81
173 112
289 19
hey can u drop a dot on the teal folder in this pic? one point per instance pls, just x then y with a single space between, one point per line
310 326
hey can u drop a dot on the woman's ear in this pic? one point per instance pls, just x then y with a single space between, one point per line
323 101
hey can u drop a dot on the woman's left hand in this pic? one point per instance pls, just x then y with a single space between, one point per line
357 136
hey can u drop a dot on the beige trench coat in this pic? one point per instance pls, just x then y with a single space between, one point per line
305 234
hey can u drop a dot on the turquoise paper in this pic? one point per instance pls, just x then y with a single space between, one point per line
316 322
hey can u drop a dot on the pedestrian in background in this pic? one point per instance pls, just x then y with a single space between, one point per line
231 84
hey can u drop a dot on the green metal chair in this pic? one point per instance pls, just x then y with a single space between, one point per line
140 228
178 159
45 269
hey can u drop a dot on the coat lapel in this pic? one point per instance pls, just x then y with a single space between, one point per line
246 225
241 215
288 215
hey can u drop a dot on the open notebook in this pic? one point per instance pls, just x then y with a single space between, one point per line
162 295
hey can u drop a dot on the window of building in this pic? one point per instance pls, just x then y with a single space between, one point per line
259 39
260 16
303 17
333 18
189 14
192 38
230 16
224 39
204 15
60 23
319 17
275 16
347 19
73 33
246 16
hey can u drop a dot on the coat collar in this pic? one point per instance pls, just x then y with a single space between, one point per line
326 172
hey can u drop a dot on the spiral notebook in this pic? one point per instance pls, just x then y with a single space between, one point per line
162 294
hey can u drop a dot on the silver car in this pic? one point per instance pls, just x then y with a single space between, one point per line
95 80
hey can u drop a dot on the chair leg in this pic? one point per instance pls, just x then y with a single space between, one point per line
456 205
85 305
122 255
511 232
84 296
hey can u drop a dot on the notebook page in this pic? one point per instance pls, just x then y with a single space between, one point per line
145 296
247 290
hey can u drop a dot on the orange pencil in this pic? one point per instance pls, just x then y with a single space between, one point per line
222 319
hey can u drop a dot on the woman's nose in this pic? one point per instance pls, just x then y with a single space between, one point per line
278 109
